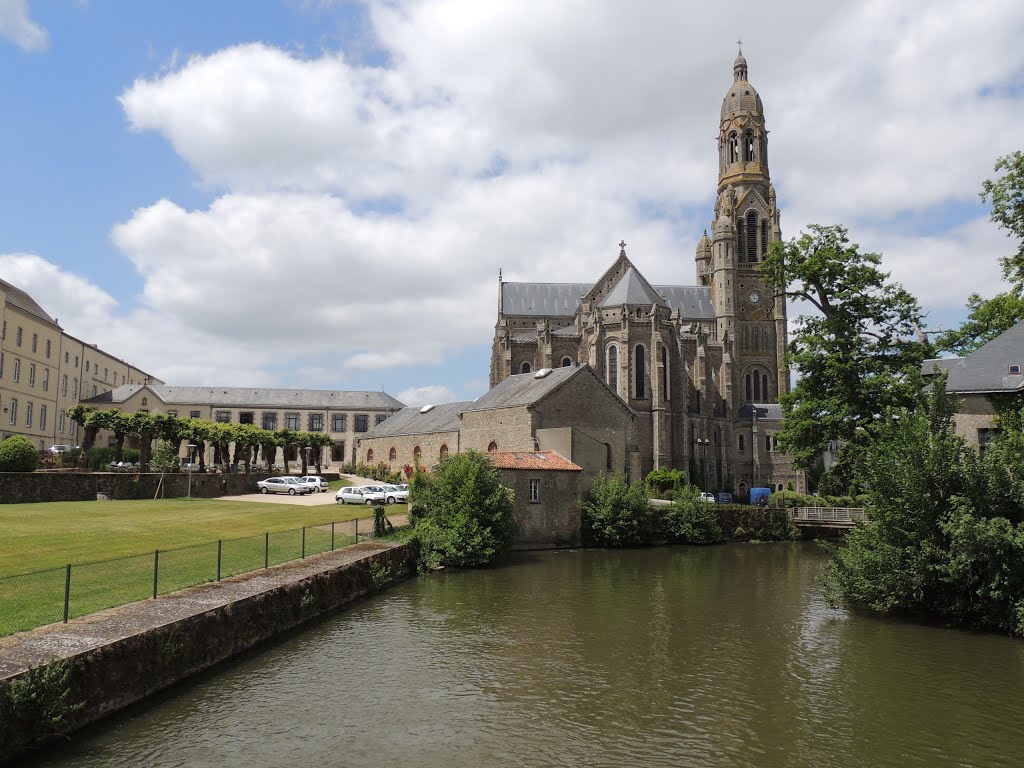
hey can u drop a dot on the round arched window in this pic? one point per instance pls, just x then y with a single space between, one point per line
416 453
493 446
524 368
566 362
369 456
392 455
444 451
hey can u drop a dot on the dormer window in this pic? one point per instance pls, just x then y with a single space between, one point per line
1015 369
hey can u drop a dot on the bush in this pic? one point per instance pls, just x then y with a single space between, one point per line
18 454
662 483
790 499
381 525
464 513
165 458
616 514
690 520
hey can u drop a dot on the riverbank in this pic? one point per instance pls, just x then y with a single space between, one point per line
58 678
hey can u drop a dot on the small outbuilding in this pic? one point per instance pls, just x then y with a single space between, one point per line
547 490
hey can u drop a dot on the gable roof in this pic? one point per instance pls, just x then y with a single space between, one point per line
631 288
523 388
412 421
563 299
533 460
254 398
765 411
18 298
986 369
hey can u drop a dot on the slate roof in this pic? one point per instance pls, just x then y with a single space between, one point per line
18 298
542 460
255 398
410 421
765 411
631 289
562 299
523 389
986 369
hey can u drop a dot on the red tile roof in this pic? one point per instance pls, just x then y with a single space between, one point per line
532 460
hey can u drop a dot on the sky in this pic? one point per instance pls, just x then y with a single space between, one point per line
320 194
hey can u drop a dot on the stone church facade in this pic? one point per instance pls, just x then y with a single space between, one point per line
702 365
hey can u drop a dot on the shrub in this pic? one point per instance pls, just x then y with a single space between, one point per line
17 454
662 483
616 514
165 457
690 520
381 525
465 517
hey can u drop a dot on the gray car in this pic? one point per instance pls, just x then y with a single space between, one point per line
315 482
366 494
288 485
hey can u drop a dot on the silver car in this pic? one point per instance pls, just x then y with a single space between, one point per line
315 482
366 494
395 494
288 485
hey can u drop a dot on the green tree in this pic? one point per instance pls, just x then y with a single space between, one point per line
17 454
856 353
944 536
617 514
1006 193
465 515
986 319
690 520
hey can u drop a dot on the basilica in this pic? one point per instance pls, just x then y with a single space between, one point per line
701 366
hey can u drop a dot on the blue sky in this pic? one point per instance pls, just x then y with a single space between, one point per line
320 194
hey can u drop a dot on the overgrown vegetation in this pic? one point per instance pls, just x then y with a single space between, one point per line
381 525
945 536
462 513
617 514
17 454
38 703
690 520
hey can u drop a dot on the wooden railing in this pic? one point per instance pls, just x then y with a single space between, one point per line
845 516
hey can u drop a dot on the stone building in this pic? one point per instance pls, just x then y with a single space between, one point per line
992 370
701 365
548 492
569 410
346 415
45 370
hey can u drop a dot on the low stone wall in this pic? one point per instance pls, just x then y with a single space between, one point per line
103 680
24 487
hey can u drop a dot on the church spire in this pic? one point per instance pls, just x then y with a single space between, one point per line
739 67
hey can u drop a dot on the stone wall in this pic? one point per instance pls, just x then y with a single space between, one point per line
111 677
510 428
405 446
552 522
25 487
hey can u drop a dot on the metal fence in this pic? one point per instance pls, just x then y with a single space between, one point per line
829 514
29 600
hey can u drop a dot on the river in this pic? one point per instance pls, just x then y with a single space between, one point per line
681 656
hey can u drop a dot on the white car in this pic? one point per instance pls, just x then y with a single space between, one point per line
288 485
395 494
708 498
365 494
315 482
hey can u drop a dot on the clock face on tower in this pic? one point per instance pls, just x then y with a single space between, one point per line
754 297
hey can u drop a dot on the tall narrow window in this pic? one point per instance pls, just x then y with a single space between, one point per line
764 388
641 371
750 389
751 227
734 147
49 346
392 454
664 373
14 411
35 342
17 370
748 146
764 237
46 379
534 491
417 454
32 374
742 446
613 368
369 456
28 415
742 241
42 417
444 451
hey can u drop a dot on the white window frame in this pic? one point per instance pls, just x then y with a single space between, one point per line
535 490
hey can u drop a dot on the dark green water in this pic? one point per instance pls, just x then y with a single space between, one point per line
720 656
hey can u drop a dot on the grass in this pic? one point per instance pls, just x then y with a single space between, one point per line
111 546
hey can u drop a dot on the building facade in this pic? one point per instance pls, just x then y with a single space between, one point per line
44 371
345 415
701 365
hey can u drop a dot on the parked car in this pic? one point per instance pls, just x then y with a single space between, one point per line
365 494
288 485
708 498
315 482
395 494
59 448
724 498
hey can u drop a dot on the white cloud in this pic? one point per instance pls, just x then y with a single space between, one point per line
431 394
375 204
16 26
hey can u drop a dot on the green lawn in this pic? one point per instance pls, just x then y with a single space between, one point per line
111 547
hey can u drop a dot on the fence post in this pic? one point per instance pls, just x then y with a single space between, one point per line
219 542
357 530
303 542
67 591
332 537
266 550
156 570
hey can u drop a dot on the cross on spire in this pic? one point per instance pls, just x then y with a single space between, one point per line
739 42
622 248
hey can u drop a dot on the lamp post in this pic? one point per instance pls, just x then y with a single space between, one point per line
704 442
191 449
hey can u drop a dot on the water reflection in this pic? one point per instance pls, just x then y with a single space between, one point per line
720 656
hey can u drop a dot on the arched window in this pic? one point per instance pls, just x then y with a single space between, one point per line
524 368
764 237
734 147
751 226
641 371
742 444
566 362
416 453
369 455
748 146
757 386
492 446
444 451
612 368
664 373
392 454
145 401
